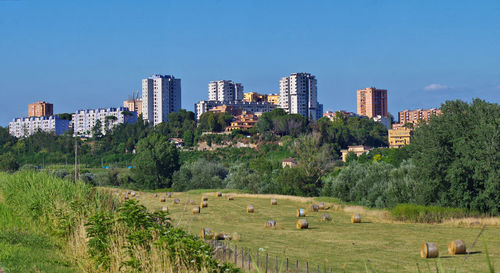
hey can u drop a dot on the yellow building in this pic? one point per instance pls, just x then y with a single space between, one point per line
399 137
243 122
358 150
273 98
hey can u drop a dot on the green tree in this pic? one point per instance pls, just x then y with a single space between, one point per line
457 156
8 163
156 161
97 130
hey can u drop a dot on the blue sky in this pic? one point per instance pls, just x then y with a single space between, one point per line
89 54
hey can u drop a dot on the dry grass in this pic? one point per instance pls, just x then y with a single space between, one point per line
386 245
473 222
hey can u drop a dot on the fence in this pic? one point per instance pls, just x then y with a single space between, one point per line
254 261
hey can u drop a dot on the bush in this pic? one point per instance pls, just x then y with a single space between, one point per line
428 214
201 174
8 163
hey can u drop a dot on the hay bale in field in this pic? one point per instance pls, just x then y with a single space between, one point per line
274 202
218 194
314 207
169 194
271 223
301 213
326 217
204 204
230 197
207 233
164 209
429 250
196 210
456 247
222 236
133 194
115 191
190 202
204 198
321 206
155 195
129 192
177 201
250 209
125 196
302 224
163 199
356 218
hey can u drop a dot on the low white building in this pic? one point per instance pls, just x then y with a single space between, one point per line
23 127
254 107
85 120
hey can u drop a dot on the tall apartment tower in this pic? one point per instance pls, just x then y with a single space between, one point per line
40 109
225 91
372 102
298 95
161 95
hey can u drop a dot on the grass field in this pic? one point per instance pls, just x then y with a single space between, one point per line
378 243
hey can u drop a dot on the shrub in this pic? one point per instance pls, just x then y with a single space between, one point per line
201 174
428 214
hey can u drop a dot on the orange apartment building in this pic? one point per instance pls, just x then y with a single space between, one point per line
416 116
133 105
243 122
40 109
372 102
257 97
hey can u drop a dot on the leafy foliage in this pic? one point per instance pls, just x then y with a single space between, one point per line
201 174
156 161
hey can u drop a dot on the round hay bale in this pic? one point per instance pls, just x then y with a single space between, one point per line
302 224
326 217
196 210
207 233
169 194
204 198
356 218
204 204
250 209
274 202
125 197
155 195
163 199
115 191
190 202
429 250
230 197
218 194
321 206
271 223
222 236
301 213
129 192
177 201
164 209
314 207
133 194
456 247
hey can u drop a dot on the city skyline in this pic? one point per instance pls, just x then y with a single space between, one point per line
422 52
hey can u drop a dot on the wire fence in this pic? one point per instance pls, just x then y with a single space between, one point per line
257 261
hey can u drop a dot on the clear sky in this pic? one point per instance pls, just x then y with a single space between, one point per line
89 54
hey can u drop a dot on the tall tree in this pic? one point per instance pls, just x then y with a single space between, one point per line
156 161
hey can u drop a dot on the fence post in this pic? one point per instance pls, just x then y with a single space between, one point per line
258 266
249 261
331 270
318 268
242 259
236 255
287 264
276 264
267 260
296 266
307 266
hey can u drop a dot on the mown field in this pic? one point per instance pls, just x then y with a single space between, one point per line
378 243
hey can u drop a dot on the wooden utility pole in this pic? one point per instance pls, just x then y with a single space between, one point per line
76 161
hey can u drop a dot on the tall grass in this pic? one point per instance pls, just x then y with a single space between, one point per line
428 214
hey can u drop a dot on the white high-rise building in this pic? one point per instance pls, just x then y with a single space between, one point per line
84 121
23 127
161 95
298 95
225 91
